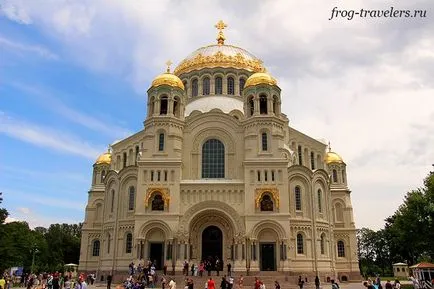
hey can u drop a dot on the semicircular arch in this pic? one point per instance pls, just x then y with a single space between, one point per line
229 212
267 225
155 224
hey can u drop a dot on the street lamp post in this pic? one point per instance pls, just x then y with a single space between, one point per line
35 250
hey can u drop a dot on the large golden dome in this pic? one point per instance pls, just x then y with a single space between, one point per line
220 55
105 158
332 157
168 79
260 78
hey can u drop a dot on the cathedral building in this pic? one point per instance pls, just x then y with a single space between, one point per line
218 171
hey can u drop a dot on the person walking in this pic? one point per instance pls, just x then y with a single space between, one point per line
317 283
109 281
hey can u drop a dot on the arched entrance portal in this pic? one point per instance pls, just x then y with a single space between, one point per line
212 243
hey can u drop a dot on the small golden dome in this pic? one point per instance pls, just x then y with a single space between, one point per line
260 78
332 157
168 79
105 158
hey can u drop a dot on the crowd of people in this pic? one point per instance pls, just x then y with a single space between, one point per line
43 281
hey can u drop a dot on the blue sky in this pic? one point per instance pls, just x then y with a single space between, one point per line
56 118
74 75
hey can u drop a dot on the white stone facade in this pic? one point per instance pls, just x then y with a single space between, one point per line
213 159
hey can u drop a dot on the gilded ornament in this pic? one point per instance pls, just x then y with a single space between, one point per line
332 157
157 190
219 59
273 191
105 158
168 79
260 78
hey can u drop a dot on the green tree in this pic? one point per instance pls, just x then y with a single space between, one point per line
410 229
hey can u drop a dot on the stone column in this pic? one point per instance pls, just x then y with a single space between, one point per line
170 102
269 104
157 107
146 250
256 105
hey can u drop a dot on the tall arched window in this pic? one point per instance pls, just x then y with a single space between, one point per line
297 198
339 212
95 248
161 142
312 160
124 160
251 105
102 176
264 140
205 86
194 88
213 159
341 249
164 104
131 198
267 204
263 105
300 244
108 243
218 85
129 243
112 205
242 83
137 154
335 176
319 201
231 86
300 155
157 203
322 244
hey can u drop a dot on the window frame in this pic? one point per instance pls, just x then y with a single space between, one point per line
96 248
230 85
341 249
218 85
300 244
129 243
213 159
161 141
131 198
264 141
195 87
298 201
206 87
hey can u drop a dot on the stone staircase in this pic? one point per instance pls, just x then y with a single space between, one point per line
268 278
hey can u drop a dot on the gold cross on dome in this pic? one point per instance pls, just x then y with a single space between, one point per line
168 63
220 37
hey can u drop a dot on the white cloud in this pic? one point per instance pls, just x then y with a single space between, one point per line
20 47
35 219
46 137
14 12
24 211
364 84
52 102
